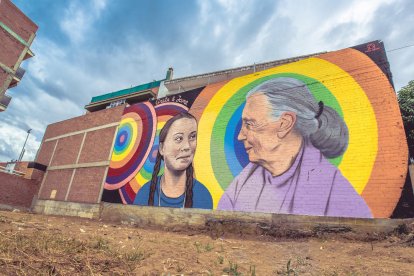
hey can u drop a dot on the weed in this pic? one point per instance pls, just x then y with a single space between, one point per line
208 247
220 259
232 269
289 270
134 256
198 246
101 244
180 267
252 270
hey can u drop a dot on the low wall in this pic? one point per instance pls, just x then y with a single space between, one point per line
240 222
215 222
61 208
16 191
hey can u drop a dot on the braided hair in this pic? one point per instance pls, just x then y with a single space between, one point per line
189 183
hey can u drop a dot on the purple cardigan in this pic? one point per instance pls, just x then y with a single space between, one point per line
311 186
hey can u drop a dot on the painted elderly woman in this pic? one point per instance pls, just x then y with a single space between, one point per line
177 187
288 137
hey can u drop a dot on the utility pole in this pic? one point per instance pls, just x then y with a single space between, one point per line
23 150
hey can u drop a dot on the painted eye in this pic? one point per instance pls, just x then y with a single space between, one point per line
178 139
193 136
249 125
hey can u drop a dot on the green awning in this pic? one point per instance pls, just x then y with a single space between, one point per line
142 87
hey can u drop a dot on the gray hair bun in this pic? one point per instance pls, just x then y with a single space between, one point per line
317 122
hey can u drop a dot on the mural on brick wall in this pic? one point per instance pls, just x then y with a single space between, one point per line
322 136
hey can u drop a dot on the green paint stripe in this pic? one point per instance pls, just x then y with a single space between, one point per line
13 34
145 174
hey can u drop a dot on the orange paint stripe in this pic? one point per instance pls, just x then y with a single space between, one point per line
204 98
383 189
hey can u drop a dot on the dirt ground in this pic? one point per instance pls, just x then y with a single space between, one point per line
32 244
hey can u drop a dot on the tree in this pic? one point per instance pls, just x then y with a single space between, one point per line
406 102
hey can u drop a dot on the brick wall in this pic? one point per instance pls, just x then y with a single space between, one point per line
363 181
86 185
12 50
90 120
16 20
77 153
333 95
20 166
17 191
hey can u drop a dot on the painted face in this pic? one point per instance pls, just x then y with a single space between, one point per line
259 130
180 144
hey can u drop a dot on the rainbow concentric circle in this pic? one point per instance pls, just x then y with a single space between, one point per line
221 121
136 130
143 172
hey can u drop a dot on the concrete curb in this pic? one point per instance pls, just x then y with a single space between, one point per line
219 223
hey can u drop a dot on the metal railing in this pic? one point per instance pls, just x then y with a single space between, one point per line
11 171
5 100
20 73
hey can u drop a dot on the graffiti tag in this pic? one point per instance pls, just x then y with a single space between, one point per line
372 47
172 99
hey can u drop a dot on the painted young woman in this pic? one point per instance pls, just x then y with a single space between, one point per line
177 187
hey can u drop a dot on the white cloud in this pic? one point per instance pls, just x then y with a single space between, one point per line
78 19
11 143
221 34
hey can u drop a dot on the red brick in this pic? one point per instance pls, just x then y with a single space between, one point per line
86 185
67 150
16 20
45 152
97 145
56 180
16 190
90 120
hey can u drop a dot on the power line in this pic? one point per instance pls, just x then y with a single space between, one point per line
411 45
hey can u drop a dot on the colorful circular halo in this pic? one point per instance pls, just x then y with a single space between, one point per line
136 130
220 123
163 113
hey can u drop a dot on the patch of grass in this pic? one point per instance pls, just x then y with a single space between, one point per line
198 246
295 266
208 247
134 256
52 253
220 259
203 248
232 269
101 244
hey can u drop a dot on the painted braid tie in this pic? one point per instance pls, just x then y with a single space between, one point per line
321 105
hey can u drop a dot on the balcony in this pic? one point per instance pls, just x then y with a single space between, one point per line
4 102
17 77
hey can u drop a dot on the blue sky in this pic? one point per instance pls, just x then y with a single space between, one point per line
88 48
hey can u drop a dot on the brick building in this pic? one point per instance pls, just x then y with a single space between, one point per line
94 157
17 33
78 151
